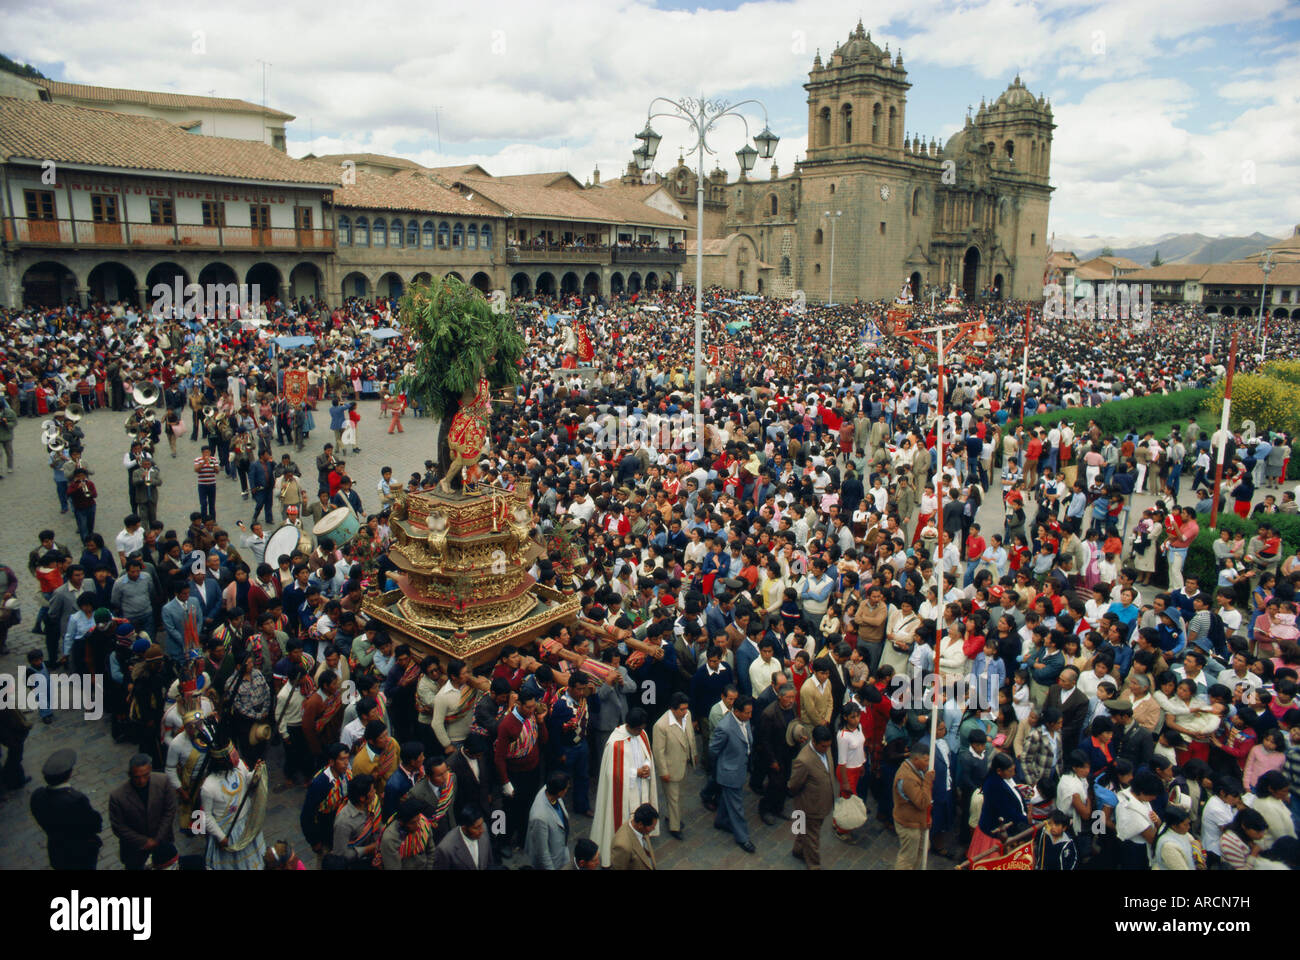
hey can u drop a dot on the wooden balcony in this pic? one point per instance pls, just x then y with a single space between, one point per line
19 231
661 255
558 253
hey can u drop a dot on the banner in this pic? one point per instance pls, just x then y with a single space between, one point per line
295 386
713 355
585 349
1021 858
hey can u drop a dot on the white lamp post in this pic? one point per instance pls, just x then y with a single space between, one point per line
1266 267
702 114
830 283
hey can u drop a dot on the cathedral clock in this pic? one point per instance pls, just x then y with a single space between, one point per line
884 191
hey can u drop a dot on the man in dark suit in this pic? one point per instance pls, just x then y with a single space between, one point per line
142 812
773 753
729 746
1069 699
851 493
467 847
70 823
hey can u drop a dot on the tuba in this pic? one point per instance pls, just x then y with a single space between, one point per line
75 412
145 394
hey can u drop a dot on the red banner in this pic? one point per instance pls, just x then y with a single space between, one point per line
713 355
1021 858
585 349
295 386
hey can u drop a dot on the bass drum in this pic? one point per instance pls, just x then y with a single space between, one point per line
283 542
340 525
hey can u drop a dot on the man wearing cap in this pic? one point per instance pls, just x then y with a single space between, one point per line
70 823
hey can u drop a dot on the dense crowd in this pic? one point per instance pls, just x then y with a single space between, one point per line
759 599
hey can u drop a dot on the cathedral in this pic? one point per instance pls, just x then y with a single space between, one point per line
872 207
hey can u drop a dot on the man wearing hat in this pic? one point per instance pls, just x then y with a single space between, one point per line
70 823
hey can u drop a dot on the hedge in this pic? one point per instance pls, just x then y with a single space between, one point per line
1272 402
1200 558
1118 417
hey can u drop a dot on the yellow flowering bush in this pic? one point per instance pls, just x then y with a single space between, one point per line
1271 401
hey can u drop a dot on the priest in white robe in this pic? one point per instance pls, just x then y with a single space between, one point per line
627 780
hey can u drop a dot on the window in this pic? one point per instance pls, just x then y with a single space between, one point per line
40 204
471 241
379 237
875 124
1033 238
103 208
817 237
362 232
846 123
785 266
893 125
824 127
817 268
772 204
162 211
485 237
277 141
458 236
427 233
214 213
302 218
916 202
395 234
444 235
345 231
882 228
412 233
1010 147
832 189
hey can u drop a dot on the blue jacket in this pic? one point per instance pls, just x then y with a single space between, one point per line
729 749
337 413
707 690
260 479
174 615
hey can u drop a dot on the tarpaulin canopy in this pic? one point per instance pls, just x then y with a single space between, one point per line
385 333
289 343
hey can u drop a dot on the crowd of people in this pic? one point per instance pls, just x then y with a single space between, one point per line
760 605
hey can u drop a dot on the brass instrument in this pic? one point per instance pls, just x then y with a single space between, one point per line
75 412
145 394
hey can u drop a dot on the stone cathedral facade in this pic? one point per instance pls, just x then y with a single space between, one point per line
972 211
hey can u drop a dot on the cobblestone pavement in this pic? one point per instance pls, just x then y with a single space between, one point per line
101 764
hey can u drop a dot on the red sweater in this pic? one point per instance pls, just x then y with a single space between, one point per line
508 732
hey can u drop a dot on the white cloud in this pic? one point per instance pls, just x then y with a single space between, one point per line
1140 146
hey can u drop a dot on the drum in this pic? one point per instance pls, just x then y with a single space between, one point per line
283 542
339 525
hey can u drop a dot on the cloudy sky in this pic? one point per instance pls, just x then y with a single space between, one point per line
1172 115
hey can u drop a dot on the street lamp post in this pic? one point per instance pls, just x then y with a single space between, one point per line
830 283
1266 267
702 114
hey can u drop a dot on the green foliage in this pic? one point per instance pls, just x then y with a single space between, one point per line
21 69
1200 558
458 334
1156 261
1287 370
1138 413
1106 252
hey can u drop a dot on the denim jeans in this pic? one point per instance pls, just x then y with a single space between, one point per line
208 500
85 521
61 488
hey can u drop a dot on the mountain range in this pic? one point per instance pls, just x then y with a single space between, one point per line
1172 247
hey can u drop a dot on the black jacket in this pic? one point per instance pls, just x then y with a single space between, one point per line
71 825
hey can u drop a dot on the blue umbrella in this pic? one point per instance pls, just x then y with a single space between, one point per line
731 301
751 296
289 343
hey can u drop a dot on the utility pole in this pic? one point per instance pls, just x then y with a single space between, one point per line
1223 432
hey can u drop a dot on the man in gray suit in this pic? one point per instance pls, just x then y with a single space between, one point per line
467 847
729 747
611 704
547 842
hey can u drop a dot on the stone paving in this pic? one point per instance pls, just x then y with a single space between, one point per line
101 765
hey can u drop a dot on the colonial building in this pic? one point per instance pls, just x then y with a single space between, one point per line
872 205
542 233
206 116
104 205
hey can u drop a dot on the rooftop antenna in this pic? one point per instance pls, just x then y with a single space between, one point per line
265 66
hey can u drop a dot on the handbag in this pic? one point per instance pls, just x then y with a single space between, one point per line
849 813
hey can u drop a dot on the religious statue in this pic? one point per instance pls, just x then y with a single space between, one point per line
905 295
469 429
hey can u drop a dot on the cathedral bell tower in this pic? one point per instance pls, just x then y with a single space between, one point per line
857 101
